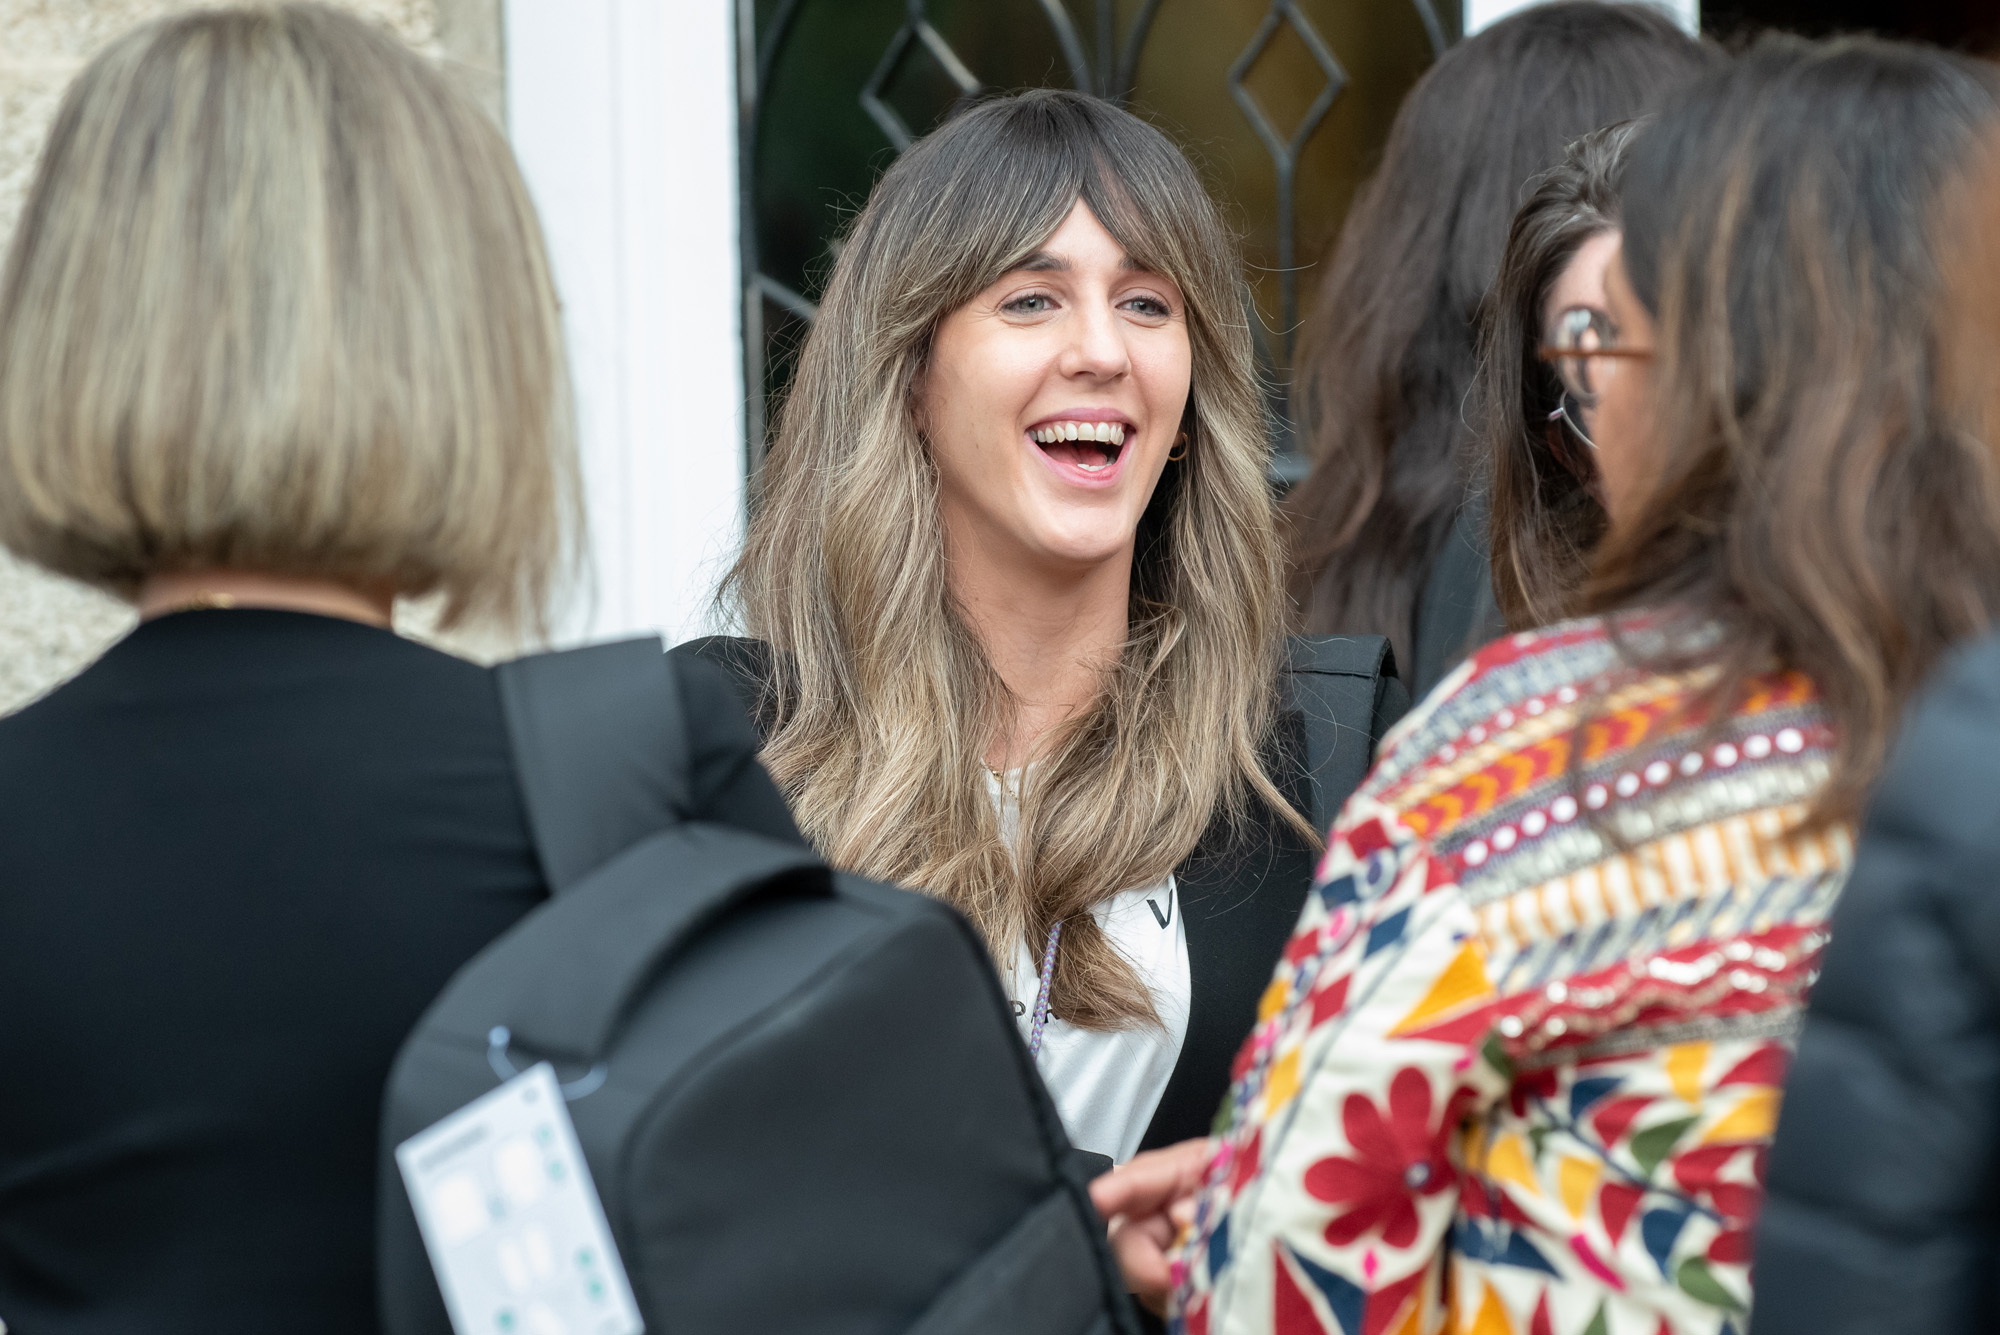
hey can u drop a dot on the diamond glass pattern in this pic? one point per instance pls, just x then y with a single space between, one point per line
1283 12
1285 151
915 32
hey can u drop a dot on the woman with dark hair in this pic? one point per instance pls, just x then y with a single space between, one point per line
1547 510
1522 1057
1384 540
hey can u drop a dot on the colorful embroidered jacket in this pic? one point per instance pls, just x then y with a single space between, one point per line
1512 1079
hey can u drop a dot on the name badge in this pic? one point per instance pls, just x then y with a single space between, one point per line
513 1224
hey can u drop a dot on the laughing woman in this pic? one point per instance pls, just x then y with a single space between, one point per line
1016 598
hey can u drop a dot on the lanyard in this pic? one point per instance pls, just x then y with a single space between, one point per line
1042 994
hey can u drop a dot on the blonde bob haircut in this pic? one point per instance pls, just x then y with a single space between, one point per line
277 302
882 699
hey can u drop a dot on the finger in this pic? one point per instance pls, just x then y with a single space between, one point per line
1143 1263
1149 1181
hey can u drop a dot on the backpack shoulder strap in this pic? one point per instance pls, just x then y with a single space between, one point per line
600 751
1339 683
747 663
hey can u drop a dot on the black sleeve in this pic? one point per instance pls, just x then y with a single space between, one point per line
1881 1214
1392 701
1456 611
728 782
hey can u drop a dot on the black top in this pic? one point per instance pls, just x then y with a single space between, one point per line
1883 1211
238 857
1241 892
1456 611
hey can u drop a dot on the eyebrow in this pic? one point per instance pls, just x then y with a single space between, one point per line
1043 262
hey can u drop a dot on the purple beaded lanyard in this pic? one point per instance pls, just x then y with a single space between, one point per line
1042 994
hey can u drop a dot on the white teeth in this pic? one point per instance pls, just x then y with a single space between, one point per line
1103 433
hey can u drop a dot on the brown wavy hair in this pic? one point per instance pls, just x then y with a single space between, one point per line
1813 492
883 698
1386 353
1545 521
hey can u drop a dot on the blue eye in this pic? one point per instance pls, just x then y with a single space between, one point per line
1032 304
1151 306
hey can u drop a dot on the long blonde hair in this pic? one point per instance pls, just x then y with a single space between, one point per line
278 302
882 698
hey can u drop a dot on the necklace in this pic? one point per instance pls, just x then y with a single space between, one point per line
1042 993
1041 1012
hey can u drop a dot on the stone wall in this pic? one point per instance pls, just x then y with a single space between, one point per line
49 627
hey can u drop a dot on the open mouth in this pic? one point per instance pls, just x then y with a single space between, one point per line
1092 447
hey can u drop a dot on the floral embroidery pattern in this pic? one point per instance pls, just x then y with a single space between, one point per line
1518 1068
1396 1158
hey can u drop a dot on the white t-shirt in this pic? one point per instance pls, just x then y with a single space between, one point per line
1106 1085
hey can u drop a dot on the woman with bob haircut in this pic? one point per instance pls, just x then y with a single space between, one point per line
278 346
1524 1053
1543 491
1016 600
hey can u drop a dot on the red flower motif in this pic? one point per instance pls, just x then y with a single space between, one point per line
1397 1158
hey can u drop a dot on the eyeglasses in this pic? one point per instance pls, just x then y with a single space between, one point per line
1566 414
1583 348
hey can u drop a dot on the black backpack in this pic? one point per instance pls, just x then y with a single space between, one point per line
815 1115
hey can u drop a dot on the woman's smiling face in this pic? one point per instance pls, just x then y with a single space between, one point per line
1050 402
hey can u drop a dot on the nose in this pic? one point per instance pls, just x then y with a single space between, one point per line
1096 349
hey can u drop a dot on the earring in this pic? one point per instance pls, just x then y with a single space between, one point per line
1181 444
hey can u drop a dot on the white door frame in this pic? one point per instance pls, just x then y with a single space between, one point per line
622 114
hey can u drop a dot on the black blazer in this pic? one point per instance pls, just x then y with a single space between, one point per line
239 855
1241 890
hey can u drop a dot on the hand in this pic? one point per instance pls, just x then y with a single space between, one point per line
1149 1201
